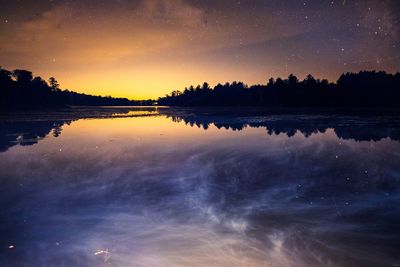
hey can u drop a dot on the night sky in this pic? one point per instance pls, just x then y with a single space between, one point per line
146 48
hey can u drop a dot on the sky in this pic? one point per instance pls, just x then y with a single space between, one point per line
143 49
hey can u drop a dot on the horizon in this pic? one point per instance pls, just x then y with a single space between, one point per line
146 49
200 133
212 86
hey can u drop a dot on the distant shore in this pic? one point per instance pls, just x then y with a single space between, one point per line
87 112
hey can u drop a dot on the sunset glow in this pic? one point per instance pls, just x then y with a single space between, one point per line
144 49
200 133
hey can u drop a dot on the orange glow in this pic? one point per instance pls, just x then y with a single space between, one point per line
145 53
145 49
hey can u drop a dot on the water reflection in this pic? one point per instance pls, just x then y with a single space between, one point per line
358 128
148 191
27 132
28 128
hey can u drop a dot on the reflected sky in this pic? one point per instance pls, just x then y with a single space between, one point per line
152 190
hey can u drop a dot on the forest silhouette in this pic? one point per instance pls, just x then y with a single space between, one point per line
19 89
364 89
371 89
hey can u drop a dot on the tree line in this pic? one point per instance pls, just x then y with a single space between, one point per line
19 89
363 89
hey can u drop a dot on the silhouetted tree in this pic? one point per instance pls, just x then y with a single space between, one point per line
54 84
18 89
363 89
23 77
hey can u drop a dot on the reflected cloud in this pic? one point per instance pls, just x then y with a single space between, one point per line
113 197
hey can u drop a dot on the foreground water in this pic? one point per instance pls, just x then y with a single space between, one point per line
158 187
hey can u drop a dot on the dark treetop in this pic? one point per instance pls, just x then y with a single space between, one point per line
363 89
367 89
19 89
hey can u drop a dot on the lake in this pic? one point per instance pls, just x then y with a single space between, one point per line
178 187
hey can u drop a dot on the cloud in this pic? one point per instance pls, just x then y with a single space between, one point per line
76 36
175 11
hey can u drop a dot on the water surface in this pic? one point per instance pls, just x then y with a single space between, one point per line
162 187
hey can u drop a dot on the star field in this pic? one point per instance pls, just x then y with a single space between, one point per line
145 48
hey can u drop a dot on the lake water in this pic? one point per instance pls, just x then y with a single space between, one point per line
160 187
